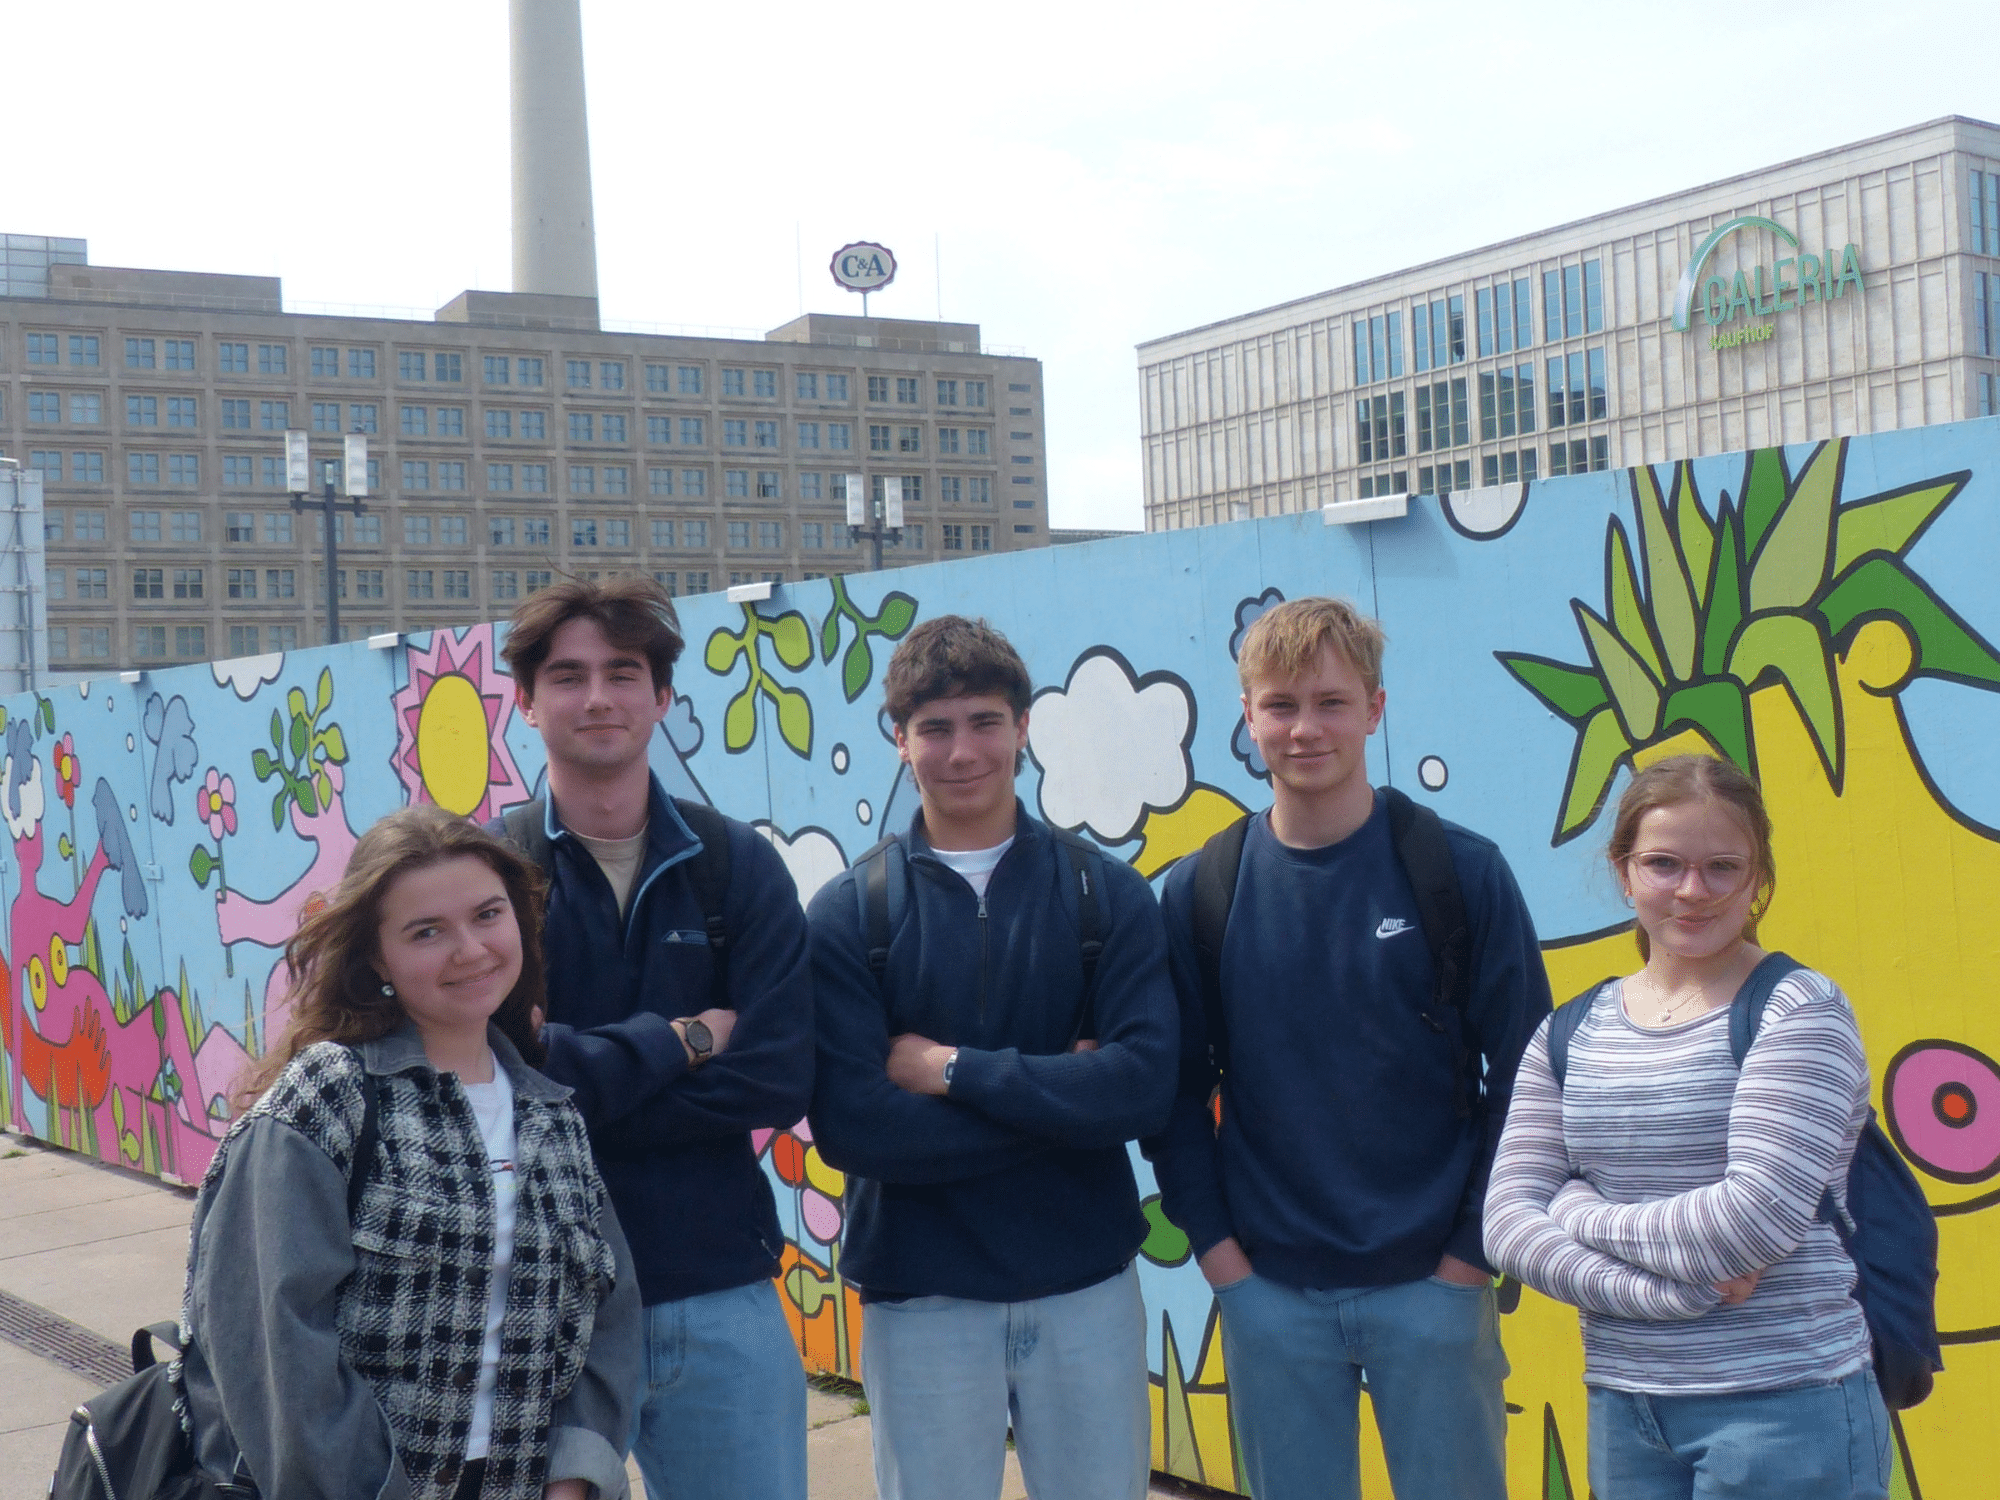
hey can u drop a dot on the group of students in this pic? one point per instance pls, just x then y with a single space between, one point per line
495 1216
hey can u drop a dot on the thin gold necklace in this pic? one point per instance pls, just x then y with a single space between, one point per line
1668 1012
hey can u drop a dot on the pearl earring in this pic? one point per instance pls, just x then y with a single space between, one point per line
388 989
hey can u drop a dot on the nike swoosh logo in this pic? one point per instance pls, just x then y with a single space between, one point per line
1391 926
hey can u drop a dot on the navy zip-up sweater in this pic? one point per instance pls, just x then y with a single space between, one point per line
1342 1158
1018 1182
673 1142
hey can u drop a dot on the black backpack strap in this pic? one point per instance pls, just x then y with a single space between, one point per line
1563 1025
361 1161
708 873
1215 873
526 827
1089 921
1746 1011
1419 839
143 1357
871 888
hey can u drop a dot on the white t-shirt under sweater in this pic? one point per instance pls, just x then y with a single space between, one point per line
976 865
619 860
1659 1169
493 1107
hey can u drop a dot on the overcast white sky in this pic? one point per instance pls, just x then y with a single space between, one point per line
1096 173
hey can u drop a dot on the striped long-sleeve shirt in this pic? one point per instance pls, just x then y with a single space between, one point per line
1659 1169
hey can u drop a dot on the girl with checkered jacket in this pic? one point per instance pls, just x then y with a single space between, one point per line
471 1330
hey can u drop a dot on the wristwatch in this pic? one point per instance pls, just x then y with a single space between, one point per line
700 1041
950 1067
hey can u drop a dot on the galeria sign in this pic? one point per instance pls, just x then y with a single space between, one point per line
1759 290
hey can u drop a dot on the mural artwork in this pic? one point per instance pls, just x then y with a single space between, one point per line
1822 615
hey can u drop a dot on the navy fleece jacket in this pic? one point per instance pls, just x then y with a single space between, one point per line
1017 1183
673 1142
1342 1158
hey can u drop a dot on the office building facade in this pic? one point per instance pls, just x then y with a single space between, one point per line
511 440
1852 291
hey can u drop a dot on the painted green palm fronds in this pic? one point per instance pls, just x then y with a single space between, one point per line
791 642
1711 608
1555 1463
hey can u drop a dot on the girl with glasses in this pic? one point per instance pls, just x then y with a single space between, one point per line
1673 1197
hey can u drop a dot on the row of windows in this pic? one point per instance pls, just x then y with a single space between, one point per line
1572 306
1985 195
1579 456
1576 393
440 367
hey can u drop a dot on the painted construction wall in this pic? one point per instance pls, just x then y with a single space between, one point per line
1825 615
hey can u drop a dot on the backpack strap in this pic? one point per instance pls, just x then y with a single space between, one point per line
1419 839
1563 1025
1215 872
708 873
872 891
1746 1011
1089 921
143 1357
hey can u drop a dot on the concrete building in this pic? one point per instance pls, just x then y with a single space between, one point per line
1847 292
511 438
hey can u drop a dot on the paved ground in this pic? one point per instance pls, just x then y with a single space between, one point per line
104 1251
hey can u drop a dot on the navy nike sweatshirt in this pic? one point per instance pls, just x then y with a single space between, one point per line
1342 1159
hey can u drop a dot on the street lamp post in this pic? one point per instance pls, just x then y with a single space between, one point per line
353 484
878 517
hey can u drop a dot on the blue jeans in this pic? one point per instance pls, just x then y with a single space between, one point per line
723 1412
945 1375
1431 1351
1806 1442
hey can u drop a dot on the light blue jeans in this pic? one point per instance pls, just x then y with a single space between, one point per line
723 1412
945 1376
1806 1442
1431 1353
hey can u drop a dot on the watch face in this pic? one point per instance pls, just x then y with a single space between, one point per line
700 1038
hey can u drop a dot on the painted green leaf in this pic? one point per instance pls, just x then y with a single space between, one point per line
277 732
322 788
1621 591
791 638
1718 711
1946 646
1555 1465
739 720
1572 692
298 737
1793 647
201 864
308 799
278 808
324 696
1599 750
48 716
128 1143
829 634
1165 1244
1634 692
1792 564
855 668
795 718
1889 523
335 743
898 613
1668 592
261 764
723 649
1763 497
1725 593
295 704
64 848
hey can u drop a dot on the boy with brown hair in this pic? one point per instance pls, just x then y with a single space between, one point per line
995 1024
1360 979
680 1013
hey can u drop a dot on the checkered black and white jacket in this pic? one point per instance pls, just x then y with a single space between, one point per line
406 1286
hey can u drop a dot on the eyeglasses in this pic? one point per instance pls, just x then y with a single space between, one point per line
1720 875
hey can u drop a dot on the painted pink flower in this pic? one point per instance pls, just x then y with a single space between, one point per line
68 773
215 803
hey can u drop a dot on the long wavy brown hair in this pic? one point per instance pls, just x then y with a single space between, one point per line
336 993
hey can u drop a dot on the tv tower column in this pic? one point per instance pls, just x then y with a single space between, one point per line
555 233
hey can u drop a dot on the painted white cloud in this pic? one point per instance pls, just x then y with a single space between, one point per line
1109 748
29 794
812 857
244 675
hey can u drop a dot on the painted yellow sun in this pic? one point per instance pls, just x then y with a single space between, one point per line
452 748
451 727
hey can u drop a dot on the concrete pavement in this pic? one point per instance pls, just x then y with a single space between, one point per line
90 1252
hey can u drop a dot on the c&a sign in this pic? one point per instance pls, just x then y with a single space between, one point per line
1784 285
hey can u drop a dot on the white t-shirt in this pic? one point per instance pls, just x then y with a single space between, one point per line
493 1107
976 865
619 860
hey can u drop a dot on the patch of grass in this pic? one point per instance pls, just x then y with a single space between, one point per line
10 1155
